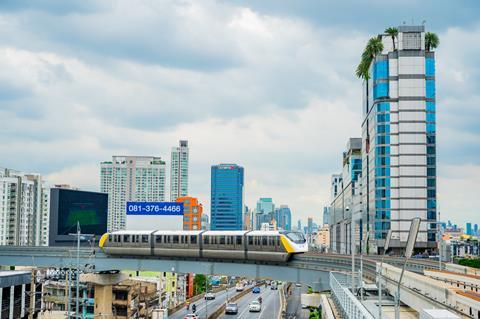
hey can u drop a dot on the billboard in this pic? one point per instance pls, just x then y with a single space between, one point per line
69 206
154 215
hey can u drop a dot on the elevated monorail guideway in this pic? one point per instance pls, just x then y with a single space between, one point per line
309 268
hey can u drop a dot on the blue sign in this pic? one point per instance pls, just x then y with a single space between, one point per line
155 208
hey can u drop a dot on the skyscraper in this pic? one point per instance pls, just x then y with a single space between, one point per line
326 215
179 171
226 197
283 215
130 178
264 212
468 228
398 140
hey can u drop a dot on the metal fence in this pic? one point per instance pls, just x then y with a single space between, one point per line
347 303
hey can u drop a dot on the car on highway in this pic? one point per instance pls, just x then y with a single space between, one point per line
298 285
191 316
231 309
254 306
209 296
256 290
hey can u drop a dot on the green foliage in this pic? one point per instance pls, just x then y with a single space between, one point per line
314 314
310 290
373 48
431 41
393 33
470 262
199 284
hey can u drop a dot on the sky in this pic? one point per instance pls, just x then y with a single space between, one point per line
267 84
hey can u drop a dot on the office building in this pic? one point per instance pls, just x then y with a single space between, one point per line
335 186
69 206
283 217
21 208
398 141
299 225
475 230
347 199
179 171
326 215
309 225
192 213
205 222
227 193
131 178
468 229
264 213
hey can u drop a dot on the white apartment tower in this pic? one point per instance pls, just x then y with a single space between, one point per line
131 178
21 209
179 171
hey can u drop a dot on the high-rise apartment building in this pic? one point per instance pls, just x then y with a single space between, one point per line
227 182
346 199
179 171
326 215
22 211
192 213
131 178
398 141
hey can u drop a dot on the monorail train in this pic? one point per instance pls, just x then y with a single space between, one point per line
240 245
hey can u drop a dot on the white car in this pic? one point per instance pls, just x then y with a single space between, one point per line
254 306
209 296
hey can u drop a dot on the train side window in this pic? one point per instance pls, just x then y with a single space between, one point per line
250 240
239 240
205 240
175 239
193 239
126 238
264 241
258 240
110 239
278 240
182 239
167 237
158 239
144 238
271 241
232 240
222 240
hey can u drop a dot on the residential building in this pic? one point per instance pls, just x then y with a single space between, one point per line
398 141
227 182
45 223
192 213
131 178
283 216
321 238
179 171
15 293
21 208
264 213
347 199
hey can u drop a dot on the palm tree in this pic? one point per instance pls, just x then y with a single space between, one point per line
373 48
431 41
393 33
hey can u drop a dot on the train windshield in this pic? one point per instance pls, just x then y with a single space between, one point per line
296 237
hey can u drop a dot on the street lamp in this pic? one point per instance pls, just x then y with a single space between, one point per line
412 238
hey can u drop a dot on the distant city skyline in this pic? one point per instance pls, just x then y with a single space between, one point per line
270 86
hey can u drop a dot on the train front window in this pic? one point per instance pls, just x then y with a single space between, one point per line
296 237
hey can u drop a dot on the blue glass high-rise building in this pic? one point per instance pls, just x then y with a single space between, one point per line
227 182
469 229
398 141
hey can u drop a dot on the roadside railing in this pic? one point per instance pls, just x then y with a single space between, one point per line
349 305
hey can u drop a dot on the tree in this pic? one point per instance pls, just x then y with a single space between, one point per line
372 49
393 33
199 283
431 41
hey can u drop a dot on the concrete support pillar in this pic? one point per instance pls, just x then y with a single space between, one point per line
10 313
1 296
103 301
22 303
